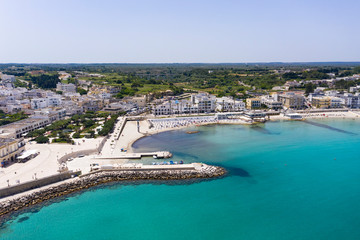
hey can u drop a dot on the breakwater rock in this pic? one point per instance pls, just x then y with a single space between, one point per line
105 176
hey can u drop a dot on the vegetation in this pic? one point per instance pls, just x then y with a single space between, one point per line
345 85
45 81
81 91
309 88
219 79
10 118
80 125
19 83
42 139
108 125
36 133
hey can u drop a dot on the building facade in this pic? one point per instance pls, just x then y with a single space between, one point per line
10 149
293 101
253 103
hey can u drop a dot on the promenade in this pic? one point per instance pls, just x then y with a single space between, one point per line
45 164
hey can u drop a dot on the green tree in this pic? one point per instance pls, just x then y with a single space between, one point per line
81 91
309 88
42 139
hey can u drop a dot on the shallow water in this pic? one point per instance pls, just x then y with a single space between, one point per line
287 180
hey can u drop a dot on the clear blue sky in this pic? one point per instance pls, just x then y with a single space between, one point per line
167 31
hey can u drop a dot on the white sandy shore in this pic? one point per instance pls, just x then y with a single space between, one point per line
323 115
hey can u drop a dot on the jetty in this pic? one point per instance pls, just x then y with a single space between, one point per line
144 167
125 173
128 155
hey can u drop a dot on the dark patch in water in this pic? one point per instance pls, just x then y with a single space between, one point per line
262 130
186 155
236 171
328 127
22 219
35 210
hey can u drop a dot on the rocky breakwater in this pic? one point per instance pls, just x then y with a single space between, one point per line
106 176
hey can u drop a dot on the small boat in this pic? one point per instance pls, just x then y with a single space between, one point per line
192 132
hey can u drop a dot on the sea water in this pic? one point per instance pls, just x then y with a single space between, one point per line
287 180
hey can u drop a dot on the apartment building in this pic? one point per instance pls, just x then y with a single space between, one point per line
351 100
10 149
205 103
292 100
271 102
228 104
253 103
327 102
66 87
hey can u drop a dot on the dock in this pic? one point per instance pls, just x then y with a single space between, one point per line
161 154
145 168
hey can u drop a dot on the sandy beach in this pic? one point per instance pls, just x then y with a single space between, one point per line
321 115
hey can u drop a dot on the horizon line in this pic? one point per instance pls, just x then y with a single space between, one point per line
207 63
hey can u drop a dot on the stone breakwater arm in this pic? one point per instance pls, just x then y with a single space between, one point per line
202 171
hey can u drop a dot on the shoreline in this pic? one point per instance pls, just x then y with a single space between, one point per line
30 198
275 118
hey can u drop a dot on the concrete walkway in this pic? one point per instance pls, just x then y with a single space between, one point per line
45 164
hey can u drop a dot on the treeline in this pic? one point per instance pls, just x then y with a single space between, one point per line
45 81
342 84
108 125
306 75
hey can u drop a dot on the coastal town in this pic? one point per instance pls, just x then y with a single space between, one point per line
52 135
196 120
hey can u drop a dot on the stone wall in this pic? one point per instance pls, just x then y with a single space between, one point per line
102 177
23 187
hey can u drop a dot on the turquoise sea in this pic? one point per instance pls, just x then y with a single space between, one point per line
287 180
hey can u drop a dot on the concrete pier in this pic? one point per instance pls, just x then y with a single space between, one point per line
162 154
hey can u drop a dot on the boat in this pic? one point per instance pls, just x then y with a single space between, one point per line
192 132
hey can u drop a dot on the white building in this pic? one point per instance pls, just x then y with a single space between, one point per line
228 104
204 102
66 87
271 102
351 100
5 77
52 114
175 107
38 103
336 102
54 101
354 89
331 93
104 95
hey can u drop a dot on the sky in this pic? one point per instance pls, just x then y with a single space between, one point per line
178 31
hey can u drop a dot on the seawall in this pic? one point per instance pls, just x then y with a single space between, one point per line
105 176
26 186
